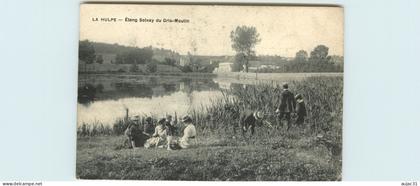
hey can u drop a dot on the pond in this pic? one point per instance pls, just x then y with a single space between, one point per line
104 98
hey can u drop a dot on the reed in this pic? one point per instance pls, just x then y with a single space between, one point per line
323 97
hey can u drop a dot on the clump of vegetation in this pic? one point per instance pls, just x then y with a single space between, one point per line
312 153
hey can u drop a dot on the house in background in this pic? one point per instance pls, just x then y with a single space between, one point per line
224 67
107 58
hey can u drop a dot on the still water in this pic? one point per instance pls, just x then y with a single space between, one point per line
104 98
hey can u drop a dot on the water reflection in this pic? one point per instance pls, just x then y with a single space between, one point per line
104 98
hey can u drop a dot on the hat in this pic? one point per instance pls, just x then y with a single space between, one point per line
298 96
162 121
285 85
135 118
168 117
187 119
258 115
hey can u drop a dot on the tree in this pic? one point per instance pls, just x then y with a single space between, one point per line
238 64
170 61
319 54
244 39
301 56
86 51
99 59
135 55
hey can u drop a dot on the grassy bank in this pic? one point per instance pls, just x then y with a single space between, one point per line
286 157
312 153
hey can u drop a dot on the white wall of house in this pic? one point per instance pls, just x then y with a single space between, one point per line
224 67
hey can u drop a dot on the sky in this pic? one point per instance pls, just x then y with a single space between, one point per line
283 30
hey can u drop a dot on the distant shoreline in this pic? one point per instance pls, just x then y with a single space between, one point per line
275 76
227 74
230 75
153 74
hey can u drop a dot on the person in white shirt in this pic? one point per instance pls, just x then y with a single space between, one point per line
158 138
189 133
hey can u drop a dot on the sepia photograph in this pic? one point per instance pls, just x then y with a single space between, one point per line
210 92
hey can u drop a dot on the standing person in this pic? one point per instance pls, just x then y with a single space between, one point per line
300 110
170 131
149 128
189 133
158 136
287 105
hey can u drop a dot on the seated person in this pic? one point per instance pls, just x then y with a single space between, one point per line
149 128
170 132
135 136
159 136
189 133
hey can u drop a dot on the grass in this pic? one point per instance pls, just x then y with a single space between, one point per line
271 154
213 158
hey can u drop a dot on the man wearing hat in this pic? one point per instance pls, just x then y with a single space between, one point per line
132 131
189 133
248 120
287 105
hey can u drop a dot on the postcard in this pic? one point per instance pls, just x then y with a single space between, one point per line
210 92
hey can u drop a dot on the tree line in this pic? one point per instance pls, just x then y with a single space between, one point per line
245 38
124 55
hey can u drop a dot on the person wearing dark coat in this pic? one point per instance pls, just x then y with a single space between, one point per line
135 135
148 127
300 110
287 105
248 120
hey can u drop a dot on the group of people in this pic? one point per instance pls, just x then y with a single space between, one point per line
166 134
169 134
290 104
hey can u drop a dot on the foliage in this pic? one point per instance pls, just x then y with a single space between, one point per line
319 54
135 56
99 59
169 61
296 66
244 39
151 67
301 56
319 61
86 51
238 64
